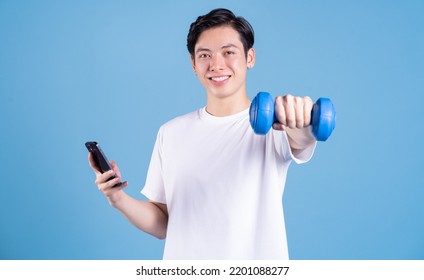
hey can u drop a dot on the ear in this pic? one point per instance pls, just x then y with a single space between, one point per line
193 63
251 58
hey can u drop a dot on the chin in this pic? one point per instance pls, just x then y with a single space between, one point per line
221 94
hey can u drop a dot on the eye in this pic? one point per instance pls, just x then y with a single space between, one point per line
229 52
204 55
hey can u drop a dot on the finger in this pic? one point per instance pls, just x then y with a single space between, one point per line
299 112
278 126
307 111
102 178
114 182
109 184
123 185
280 112
289 107
115 168
92 164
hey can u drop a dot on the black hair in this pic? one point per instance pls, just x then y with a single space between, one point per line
216 18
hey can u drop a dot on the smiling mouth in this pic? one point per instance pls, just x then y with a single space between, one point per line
219 79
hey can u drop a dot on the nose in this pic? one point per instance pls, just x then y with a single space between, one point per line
216 63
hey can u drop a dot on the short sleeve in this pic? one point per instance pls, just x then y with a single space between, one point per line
154 188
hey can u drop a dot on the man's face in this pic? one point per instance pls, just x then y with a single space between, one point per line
220 62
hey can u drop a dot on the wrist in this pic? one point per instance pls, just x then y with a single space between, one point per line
116 199
300 138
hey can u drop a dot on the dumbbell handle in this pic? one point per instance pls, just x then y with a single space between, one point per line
262 116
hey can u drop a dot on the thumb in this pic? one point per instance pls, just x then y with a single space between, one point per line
278 126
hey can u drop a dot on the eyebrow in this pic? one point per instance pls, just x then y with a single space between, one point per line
223 47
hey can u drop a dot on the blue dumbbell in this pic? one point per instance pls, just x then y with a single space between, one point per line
262 116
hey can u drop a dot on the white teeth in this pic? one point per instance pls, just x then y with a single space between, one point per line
220 79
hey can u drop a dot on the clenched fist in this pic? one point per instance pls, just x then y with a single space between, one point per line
292 112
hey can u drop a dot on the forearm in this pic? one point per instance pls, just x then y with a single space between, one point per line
145 215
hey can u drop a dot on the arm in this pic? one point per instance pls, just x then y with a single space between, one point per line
294 116
148 216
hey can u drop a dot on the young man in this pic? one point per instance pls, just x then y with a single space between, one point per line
215 187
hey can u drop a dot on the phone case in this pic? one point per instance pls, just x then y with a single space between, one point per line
100 158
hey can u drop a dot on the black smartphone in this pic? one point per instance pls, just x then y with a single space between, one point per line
100 159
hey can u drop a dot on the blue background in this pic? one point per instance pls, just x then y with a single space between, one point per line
114 71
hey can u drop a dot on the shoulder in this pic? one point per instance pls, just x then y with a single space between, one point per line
181 123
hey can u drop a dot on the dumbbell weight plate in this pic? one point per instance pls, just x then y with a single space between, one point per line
262 113
323 119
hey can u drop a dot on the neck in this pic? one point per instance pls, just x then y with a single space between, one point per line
226 106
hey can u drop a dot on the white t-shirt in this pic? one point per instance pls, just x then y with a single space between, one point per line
223 186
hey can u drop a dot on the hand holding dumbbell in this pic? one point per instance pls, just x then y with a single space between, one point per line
262 116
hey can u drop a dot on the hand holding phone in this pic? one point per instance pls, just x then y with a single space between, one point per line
102 163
